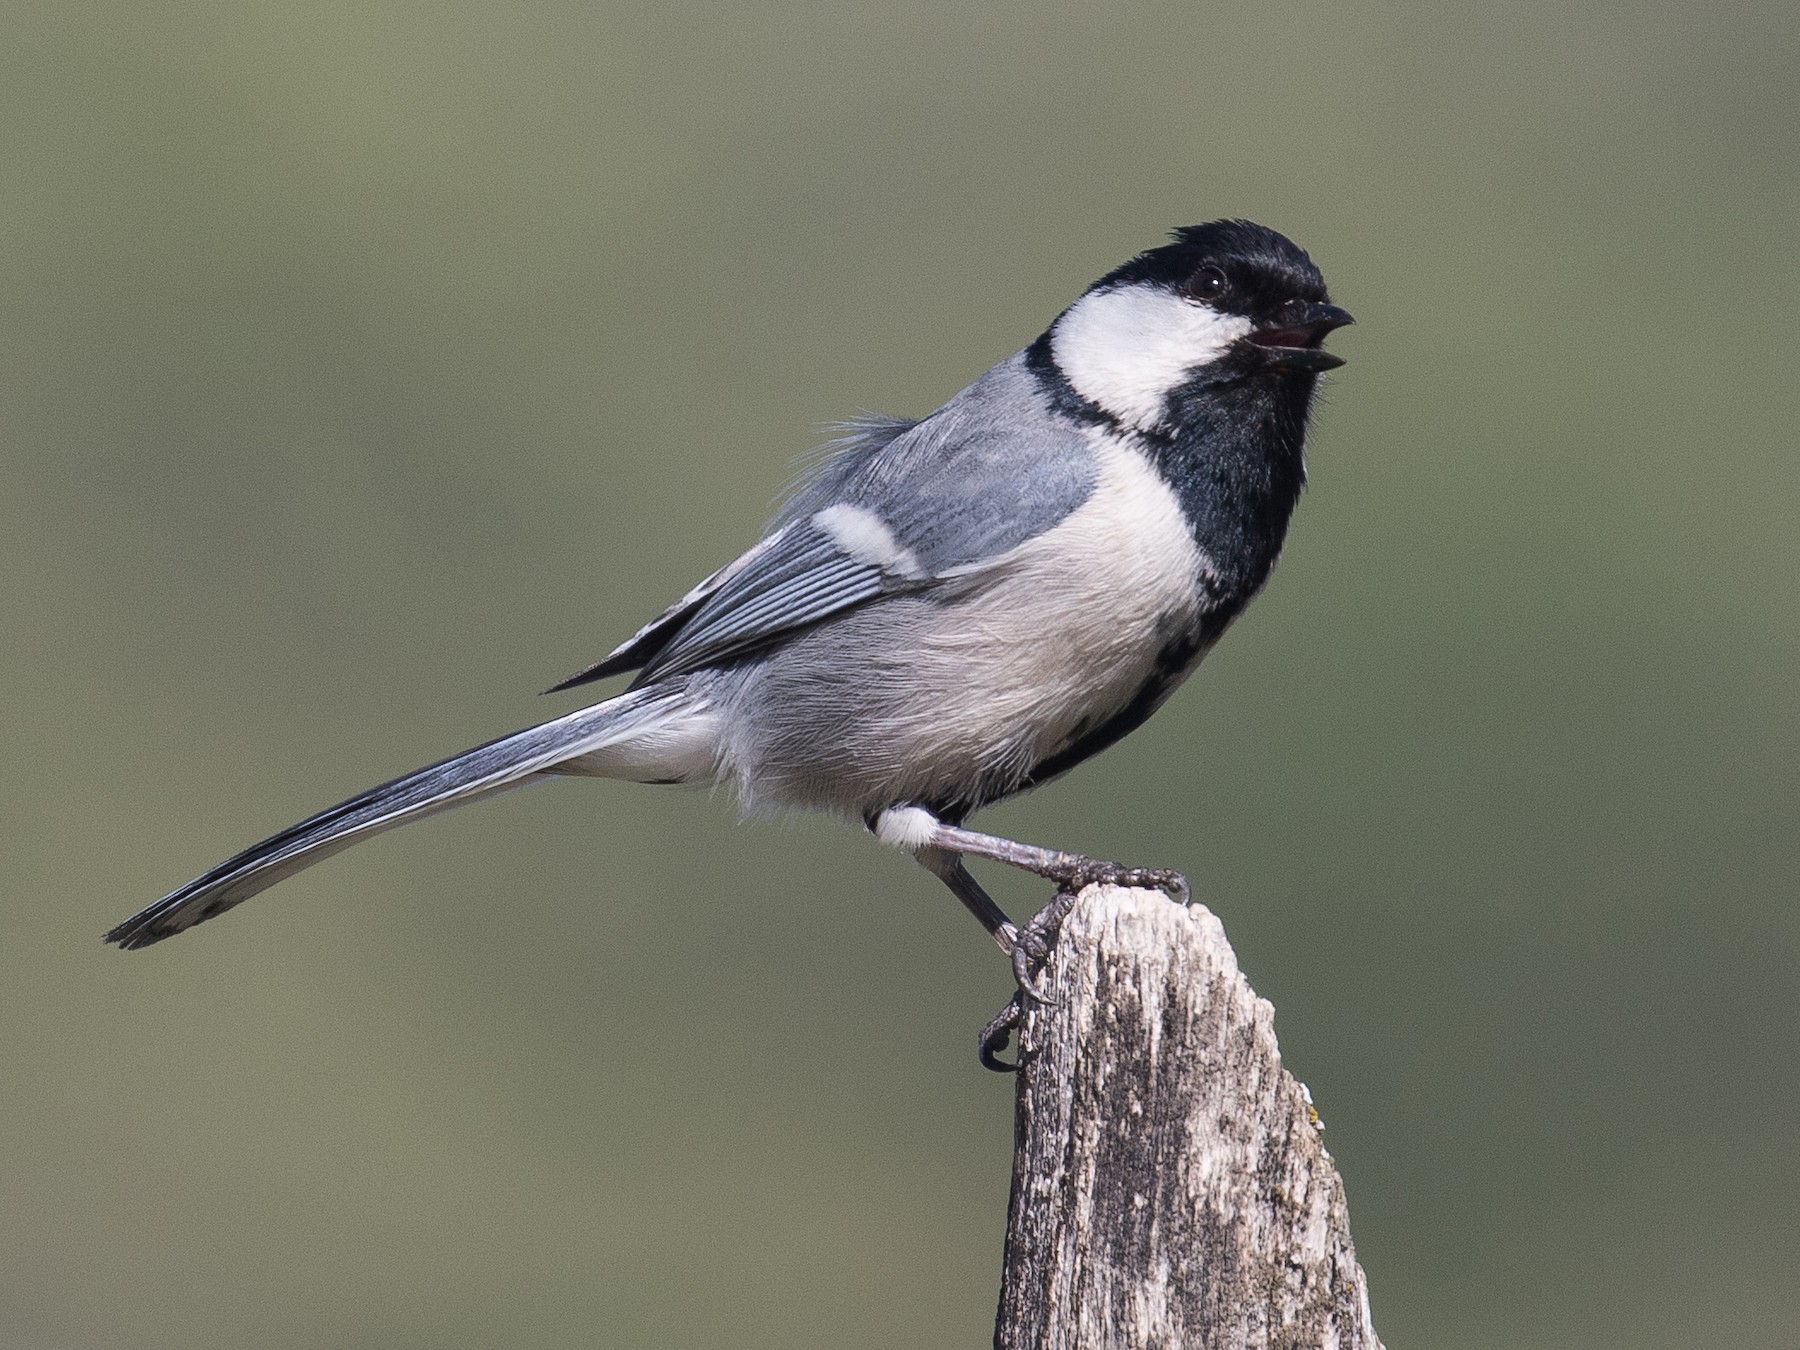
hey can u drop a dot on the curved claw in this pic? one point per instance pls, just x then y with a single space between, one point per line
1028 947
1021 965
994 1037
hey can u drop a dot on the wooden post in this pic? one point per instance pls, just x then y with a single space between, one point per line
1170 1186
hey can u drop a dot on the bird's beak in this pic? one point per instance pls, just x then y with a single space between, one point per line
1293 343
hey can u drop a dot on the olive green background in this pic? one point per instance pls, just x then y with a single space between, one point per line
366 367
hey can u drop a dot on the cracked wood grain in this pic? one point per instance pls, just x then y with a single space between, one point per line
1170 1186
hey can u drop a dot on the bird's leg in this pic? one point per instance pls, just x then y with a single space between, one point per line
915 829
948 868
1024 945
1072 871
939 848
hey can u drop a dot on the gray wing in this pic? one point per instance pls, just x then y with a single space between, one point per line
644 644
802 574
861 439
895 510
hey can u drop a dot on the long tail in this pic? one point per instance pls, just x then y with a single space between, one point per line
649 717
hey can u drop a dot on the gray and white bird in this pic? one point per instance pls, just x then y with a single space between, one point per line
952 610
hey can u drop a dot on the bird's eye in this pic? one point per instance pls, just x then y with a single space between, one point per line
1209 283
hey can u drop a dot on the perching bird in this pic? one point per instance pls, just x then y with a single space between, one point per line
952 610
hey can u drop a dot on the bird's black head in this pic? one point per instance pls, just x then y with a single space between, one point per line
1225 302
1239 267
1207 350
1235 266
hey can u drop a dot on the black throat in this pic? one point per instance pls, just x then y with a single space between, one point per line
1234 452
1232 449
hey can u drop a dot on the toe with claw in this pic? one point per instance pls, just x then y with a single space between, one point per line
1030 949
1083 872
997 1032
1028 952
1029 946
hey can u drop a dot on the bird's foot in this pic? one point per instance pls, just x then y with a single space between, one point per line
1029 951
1075 872
1029 947
997 1032
1032 944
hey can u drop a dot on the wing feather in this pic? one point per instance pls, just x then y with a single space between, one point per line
941 498
643 645
803 578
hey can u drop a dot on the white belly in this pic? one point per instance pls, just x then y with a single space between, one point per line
920 698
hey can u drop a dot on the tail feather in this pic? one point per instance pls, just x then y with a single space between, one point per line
508 762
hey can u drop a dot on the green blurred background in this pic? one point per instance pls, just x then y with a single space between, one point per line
368 367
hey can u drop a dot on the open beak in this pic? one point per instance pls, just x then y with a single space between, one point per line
1293 344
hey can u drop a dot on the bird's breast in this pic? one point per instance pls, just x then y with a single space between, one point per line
954 696
1081 605
1068 628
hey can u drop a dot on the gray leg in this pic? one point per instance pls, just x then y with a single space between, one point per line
939 848
948 868
1071 870
916 830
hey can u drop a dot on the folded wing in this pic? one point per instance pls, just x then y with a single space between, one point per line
898 509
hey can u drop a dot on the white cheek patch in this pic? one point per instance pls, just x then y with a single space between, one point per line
866 537
1126 348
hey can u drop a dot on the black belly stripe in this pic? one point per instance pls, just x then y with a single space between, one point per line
1175 659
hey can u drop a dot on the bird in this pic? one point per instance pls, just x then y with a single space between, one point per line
951 610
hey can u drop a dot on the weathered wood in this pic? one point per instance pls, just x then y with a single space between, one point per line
1170 1187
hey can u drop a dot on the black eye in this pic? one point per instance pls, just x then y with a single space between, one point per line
1209 283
